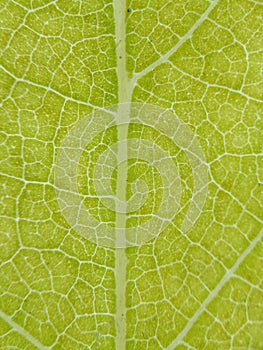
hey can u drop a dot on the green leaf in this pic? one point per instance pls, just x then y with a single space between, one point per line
186 77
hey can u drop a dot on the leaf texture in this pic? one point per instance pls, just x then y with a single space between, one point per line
201 289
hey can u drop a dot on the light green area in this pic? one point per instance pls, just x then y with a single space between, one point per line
200 290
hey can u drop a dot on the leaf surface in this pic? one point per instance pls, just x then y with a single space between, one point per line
62 60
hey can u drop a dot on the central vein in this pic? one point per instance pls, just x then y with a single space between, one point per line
122 116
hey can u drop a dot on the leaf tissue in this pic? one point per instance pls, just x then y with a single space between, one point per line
131 174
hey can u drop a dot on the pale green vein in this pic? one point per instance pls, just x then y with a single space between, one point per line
218 86
46 88
188 35
124 95
215 291
22 331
